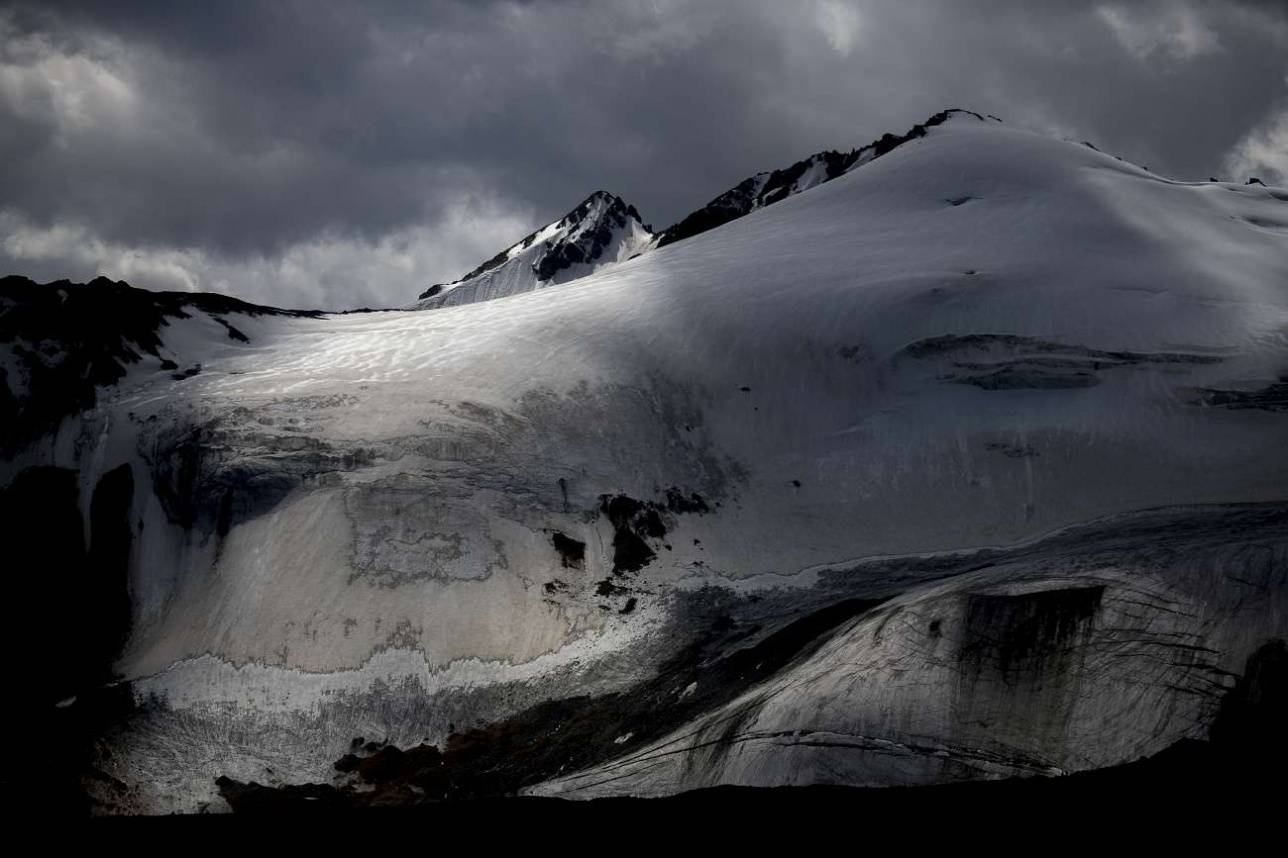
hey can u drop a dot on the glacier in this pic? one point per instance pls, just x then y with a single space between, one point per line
968 463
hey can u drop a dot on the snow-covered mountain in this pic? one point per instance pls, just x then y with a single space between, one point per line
767 188
604 230
600 231
967 463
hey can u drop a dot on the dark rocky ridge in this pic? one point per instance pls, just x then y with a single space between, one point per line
72 338
750 194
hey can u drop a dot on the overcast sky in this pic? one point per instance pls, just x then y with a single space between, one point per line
341 155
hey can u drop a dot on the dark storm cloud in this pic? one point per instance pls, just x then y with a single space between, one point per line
336 154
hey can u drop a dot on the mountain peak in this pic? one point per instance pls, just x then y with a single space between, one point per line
602 229
602 204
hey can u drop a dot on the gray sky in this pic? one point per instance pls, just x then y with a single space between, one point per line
335 155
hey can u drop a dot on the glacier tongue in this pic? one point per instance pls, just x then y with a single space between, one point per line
903 386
